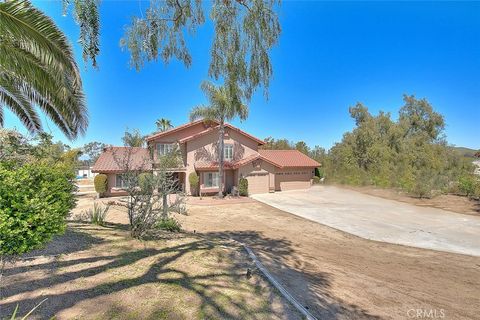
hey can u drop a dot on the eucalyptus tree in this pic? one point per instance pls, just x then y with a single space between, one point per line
224 105
244 33
37 68
163 124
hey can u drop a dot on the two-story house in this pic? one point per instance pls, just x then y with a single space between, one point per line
265 170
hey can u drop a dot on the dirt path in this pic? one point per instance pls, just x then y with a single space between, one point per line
341 276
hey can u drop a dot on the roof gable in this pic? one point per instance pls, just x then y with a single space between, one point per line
185 126
209 126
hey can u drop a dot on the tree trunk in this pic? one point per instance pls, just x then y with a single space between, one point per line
165 206
221 144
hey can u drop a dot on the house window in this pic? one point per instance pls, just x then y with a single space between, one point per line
120 181
164 148
210 179
228 152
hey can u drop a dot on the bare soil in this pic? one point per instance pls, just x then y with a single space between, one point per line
94 272
341 276
450 202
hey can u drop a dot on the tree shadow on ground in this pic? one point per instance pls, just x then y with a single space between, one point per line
71 241
207 287
311 289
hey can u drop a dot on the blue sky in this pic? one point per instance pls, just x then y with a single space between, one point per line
330 55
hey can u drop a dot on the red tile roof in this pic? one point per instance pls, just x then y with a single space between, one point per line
278 158
116 159
288 158
206 165
176 129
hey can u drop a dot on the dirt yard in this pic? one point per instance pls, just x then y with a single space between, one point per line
450 202
341 276
95 272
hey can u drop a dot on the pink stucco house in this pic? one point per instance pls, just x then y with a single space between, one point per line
265 170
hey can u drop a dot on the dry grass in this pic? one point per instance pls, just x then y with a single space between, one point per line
95 272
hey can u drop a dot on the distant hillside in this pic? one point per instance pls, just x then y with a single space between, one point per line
465 152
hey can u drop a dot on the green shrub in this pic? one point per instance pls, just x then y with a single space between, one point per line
243 187
467 185
101 183
98 214
316 180
319 172
169 224
145 181
194 180
34 202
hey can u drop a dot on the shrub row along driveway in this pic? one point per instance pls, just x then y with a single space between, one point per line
380 219
341 276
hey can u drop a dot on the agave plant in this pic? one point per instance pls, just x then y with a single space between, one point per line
37 69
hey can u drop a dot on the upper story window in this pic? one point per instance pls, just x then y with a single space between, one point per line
228 152
164 148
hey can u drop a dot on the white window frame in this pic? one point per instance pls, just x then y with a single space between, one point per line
213 177
228 155
164 148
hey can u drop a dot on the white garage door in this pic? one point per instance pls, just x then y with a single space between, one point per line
257 183
293 180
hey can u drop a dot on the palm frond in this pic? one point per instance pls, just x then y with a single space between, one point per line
37 59
18 103
203 112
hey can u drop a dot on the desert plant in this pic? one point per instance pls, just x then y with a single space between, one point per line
35 200
243 187
194 180
98 214
169 224
148 198
101 183
467 185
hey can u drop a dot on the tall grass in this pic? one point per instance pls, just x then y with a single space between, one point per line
98 214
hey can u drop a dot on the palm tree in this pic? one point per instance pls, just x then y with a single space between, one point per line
163 124
37 68
225 103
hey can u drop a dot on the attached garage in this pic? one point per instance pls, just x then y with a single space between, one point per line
257 182
293 179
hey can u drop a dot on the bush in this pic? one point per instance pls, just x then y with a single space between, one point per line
98 214
243 187
169 224
145 181
316 180
101 183
34 202
319 172
194 180
467 185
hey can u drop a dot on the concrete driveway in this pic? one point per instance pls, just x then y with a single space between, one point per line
381 219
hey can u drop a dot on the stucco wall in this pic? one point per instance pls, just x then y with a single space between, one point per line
258 168
175 136
204 149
